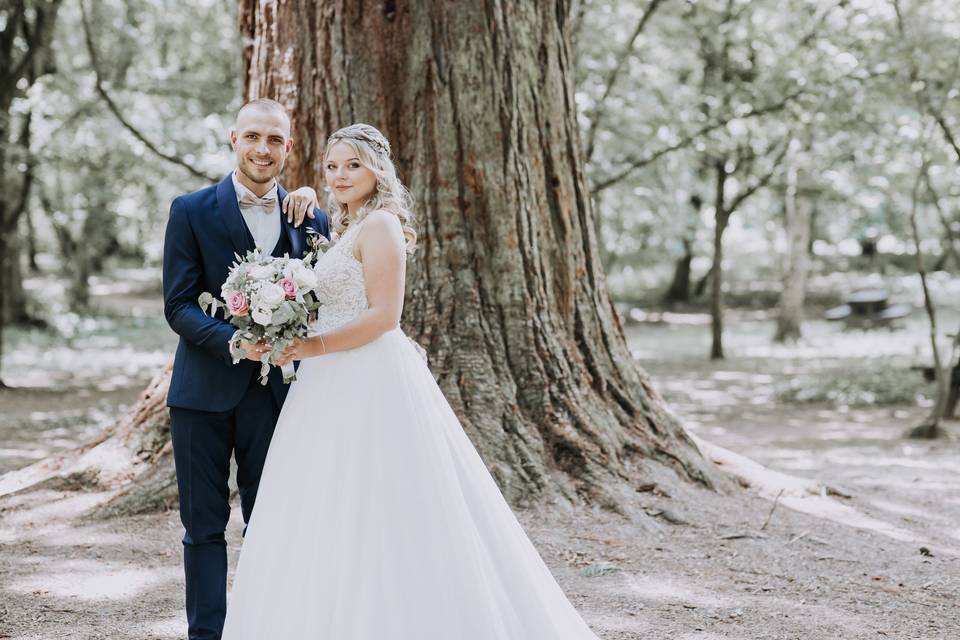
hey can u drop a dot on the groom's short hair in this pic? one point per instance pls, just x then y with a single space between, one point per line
268 105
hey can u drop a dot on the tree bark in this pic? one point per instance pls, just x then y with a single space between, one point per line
797 213
506 291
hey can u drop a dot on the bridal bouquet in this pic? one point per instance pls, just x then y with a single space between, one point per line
269 299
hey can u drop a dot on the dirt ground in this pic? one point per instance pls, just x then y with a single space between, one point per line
883 563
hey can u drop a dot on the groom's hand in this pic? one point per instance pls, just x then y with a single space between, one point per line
254 350
299 204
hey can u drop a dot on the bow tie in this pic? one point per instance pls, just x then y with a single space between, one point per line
267 203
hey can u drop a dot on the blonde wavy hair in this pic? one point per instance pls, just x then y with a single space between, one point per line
373 152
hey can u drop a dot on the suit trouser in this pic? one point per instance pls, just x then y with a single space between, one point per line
202 445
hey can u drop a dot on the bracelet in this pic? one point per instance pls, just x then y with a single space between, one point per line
322 344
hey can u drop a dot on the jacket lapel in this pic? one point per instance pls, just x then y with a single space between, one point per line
293 234
232 219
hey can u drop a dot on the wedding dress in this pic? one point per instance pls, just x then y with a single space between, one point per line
375 518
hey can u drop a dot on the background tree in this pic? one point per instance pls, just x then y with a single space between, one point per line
797 212
710 90
24 56
137 112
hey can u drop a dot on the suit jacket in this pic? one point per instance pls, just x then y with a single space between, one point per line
204 231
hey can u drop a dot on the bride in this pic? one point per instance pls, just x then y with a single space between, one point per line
376 519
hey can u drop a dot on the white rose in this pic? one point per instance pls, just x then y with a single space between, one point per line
261 271
262 316
304 277
271 295
284 314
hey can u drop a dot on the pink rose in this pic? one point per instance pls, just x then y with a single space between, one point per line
237 304
289 288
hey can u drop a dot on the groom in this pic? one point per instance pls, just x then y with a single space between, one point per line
218 408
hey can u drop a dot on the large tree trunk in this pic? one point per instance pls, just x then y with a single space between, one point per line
797 211
506 292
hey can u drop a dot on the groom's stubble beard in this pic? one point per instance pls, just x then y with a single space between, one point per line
257 180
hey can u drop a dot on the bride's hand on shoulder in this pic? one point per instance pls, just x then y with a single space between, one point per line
299 204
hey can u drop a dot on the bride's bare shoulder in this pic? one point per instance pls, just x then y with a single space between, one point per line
382 218
381 229
381 224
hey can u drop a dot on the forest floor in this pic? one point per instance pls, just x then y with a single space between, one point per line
883 563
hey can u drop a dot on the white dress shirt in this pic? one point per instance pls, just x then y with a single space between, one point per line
264 226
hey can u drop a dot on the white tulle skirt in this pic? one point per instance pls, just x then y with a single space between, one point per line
376 519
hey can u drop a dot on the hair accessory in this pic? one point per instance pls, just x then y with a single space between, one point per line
364 133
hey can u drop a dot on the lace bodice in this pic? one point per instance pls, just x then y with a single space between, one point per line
341 290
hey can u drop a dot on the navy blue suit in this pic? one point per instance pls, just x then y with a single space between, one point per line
217 408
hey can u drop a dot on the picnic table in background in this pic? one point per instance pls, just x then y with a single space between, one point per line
868 308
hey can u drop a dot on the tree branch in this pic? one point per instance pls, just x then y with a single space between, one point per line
7 37
945 129
947 227
36 37
614 74
636 163
815 28
922 99
115 110
575 12
762 182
